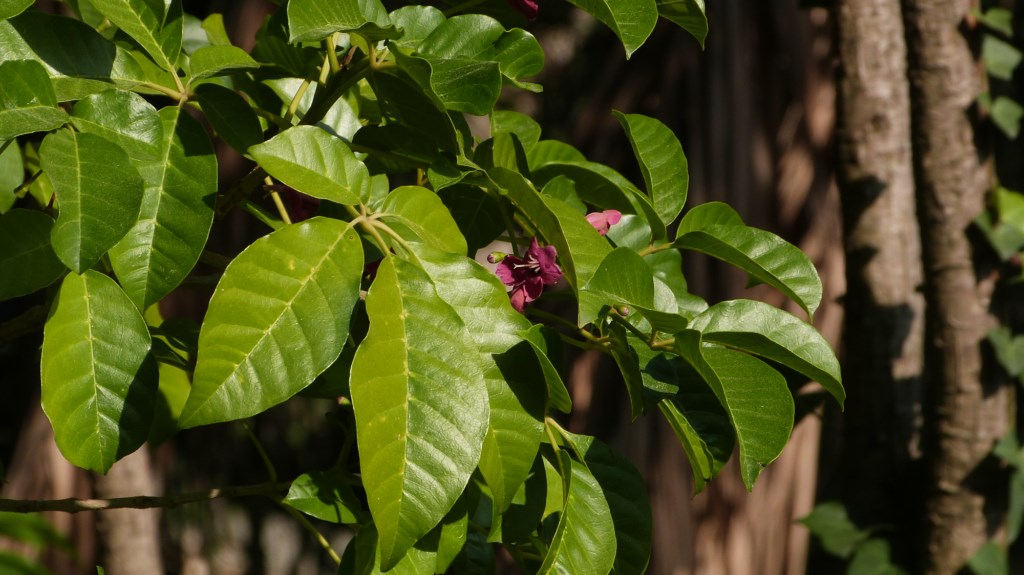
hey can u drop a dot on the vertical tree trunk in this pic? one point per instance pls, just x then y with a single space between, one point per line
884 321
967 410
130 537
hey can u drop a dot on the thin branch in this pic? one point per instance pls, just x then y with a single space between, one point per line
273 489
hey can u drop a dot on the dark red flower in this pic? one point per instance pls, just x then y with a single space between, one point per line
604 220
530 274
527 8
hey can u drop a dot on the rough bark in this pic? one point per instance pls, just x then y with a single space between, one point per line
130 537
884 321
967 408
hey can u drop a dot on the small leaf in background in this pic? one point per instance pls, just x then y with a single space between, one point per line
583 539
1006 115
524 127
998 19
873 558
279 317
632 22
99 192
662 163
230 115
1001 58
765 330
754 395
11 8
159 34
420 404
688 15
990 559
27 260
325 495
176 214
838 535
315 163
314 20
28 102
98 381
12 175
220 60
1009 349
765 257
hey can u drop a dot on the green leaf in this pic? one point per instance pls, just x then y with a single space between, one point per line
662 163
78 59
524 127
990 559
688 15
403 99
551 152
422 215
832 526
124 118
98 389
216 33
416 23
314 20
99 191
754 395
632 22
230 115
11 8
176 215
872 558
582 541
707 215
12 175
325 495
27 101
476 212
219 61
459 84
1001 58
420 403
546 343
1009 349
314 163
279 317
623 278
766 257
764 330
158 33
27 261
33 529
1006 115
366 555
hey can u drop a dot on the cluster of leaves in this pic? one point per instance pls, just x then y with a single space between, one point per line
450 394
841 537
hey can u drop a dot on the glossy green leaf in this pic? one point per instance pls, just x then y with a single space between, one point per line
11 8
279 317
230 115
707 215
27 261
511 371
765 257
632 22
459 84
764 330
78 59
98 389
339 120
27 100
687 14
626 492
662 163
158 33
124 118
552 151
524 127
754 395
314 163
12 175
623 278
547 345
582 541
176 215
325 495
421 214
366 559
416 23
220 60
99 190
315 20
420 403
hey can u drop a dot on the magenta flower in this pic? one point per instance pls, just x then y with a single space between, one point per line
529 275
527 8
604 220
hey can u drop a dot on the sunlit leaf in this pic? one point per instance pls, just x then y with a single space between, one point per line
27 100
219 60
315 20
325 495
583 539
11 8
159 33
632 22
278 318
98 388
314 163
420 404
420 213
662 163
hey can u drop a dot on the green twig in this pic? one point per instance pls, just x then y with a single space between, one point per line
140 501
271 471
293 106
276 197
312 531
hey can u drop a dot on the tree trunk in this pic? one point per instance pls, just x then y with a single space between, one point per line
967 405
130 537
884 321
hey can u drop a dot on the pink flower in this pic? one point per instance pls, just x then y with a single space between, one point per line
527 8
529 275
604 220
